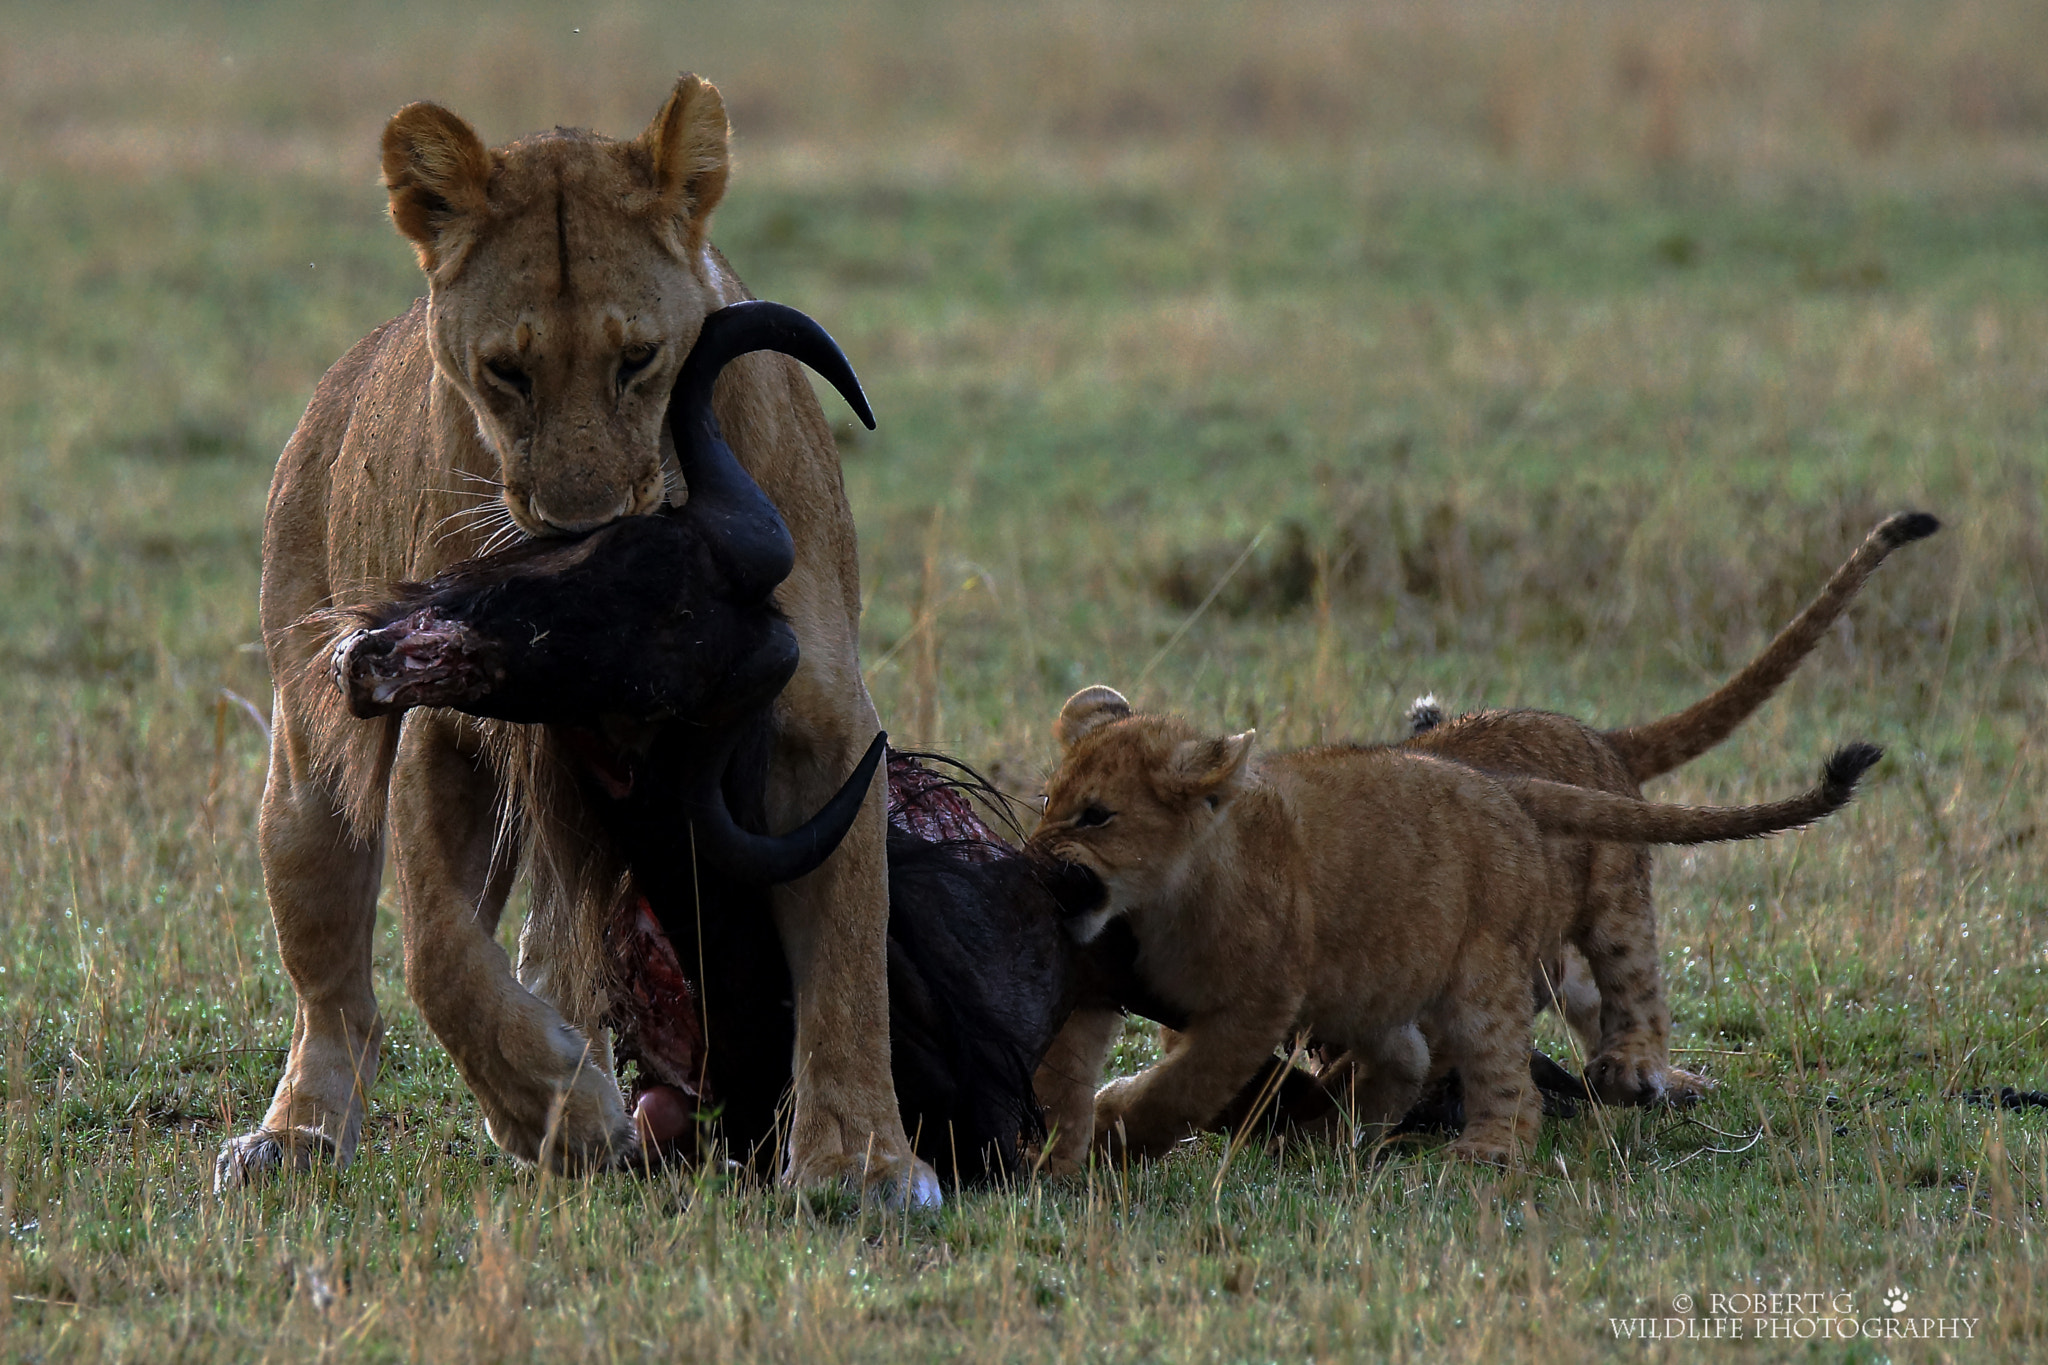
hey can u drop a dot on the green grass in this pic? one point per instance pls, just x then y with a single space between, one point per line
1521 401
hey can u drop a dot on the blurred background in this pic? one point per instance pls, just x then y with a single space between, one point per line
1506 326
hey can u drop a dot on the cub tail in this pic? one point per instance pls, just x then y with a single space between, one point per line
1559 808
1659 746
1424 715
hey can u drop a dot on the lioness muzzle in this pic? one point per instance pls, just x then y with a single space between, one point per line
535 633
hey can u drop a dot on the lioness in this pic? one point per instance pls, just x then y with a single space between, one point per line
1618 1009
1387 902
567 275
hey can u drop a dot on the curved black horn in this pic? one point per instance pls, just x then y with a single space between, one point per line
743 523
767 859
759 325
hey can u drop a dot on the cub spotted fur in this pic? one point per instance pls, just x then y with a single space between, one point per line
1613 995
1390 903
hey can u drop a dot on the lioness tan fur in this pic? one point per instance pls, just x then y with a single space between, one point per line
1386 902
567 276
1607 976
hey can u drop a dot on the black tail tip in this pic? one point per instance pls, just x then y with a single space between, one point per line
1425 714
1846 766
1910 526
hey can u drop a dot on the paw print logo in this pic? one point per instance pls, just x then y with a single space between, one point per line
1895 1300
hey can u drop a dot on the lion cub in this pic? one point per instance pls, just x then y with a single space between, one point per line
1390 903
1606 975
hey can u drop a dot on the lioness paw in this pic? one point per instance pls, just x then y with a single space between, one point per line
898 1182
253 1157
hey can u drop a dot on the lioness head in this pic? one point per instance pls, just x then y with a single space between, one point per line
1134 798
567 276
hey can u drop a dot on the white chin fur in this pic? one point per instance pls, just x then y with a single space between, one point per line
1087 928
483 437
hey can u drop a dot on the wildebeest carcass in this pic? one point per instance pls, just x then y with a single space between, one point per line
654 650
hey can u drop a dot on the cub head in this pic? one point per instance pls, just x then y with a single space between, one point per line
1135 799
567 276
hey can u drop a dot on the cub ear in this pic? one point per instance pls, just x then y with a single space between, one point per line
1086 710
1213 768
439 175
686 147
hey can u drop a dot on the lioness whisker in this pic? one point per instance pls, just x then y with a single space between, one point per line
508 534
470 515
474 520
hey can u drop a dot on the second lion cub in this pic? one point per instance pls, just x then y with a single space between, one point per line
1391 903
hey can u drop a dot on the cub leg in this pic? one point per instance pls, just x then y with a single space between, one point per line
539 1082
1381 1079
1216 1055
1565 982
322 885
1632 1064
1066 1081
1483 1029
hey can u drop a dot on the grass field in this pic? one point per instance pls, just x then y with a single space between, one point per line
1530 354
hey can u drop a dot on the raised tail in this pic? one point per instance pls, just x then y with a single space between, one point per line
1559 808
1659 746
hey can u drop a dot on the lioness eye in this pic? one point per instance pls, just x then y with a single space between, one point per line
634 359
510 375
1092 816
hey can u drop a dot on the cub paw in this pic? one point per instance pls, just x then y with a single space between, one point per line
1111 1104
253 1157
1617 1078
1682 1088
1126 1124
1066 1150
1484 1151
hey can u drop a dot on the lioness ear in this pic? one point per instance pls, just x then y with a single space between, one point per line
439 175
686 146
1214 768
1087 709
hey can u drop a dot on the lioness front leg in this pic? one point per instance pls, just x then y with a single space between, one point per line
846 1127
1216 1054
541 1084
322 886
